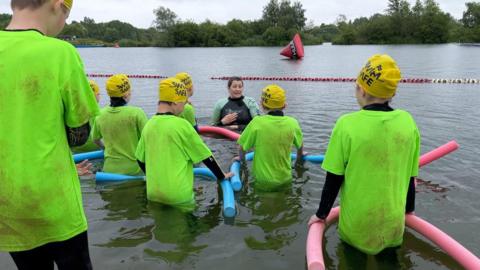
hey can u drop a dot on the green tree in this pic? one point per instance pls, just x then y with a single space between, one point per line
4 20
164 19
471 22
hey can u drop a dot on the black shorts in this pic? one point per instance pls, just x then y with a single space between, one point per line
69 254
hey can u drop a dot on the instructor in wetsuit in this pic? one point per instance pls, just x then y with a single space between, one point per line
236 111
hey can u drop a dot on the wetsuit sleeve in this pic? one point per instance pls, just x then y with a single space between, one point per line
253 107
330 191
410 206
216 113
212 164
78 136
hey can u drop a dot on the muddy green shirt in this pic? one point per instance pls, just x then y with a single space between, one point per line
273 138
170 146
43 88
377 152
120 128
189 114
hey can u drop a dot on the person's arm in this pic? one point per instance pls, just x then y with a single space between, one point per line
212 164
78 136
299 159
410 206
142 166
330 191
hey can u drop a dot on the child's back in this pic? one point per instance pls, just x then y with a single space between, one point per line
120 127
171 146
379 149
272 136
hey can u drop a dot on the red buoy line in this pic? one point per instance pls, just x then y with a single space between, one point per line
136 76
303 79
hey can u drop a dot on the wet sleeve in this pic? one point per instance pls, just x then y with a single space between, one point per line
78 98
337 154
332 186
78 136
410 206
247 139
189 115
212 164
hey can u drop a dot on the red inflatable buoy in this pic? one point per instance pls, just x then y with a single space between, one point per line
294 50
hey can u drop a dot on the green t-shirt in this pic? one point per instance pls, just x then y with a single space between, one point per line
189 114
170 146
377 152
43 88
89 145
273 138
120 128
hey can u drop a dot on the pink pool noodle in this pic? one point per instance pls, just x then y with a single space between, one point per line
454 249
459 253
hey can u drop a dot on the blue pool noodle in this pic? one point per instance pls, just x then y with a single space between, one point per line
312 158
227 190
228 199
88 155
235 180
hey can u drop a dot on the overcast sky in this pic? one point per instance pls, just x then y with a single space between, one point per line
140 12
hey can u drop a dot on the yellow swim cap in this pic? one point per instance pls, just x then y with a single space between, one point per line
380 76
118 85
273 97
68 3
94 86
185 79
172 90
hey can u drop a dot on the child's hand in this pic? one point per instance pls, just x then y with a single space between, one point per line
83 168
229 175
314 219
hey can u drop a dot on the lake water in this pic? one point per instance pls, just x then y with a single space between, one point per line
269 232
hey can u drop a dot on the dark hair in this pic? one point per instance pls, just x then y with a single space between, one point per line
23 4
234 78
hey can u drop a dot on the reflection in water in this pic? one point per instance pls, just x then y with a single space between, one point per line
403 257
274 213
165 232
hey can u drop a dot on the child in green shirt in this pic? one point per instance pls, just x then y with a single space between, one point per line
168 148
45 107
120 127
272 136
372 157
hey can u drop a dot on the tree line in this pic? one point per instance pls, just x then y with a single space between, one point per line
401 23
